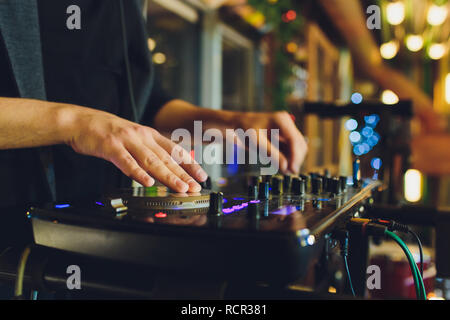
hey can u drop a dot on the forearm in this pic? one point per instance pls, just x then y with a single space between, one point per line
181 114
28 123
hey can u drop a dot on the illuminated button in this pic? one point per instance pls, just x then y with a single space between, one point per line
160 215
62 206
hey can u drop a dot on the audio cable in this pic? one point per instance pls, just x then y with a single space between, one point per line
342 237
18 288
395 226
381 228
418 281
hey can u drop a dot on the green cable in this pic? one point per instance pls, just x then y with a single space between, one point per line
18 289
418 281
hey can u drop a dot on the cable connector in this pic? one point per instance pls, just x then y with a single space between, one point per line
368 227
342 237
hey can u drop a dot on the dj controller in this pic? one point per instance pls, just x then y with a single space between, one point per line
261 228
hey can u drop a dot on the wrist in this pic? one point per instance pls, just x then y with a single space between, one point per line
67 122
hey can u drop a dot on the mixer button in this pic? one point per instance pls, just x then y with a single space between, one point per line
343 183
253 192
317 185
287 181
215 204
206 184
253 210
298 186
263 193
277 186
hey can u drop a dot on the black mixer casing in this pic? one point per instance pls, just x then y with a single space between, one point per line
276 245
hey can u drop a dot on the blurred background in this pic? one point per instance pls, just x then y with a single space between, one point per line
265 55
367 79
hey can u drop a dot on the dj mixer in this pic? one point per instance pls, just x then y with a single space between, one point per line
247 227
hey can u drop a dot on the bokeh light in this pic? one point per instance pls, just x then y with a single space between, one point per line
376 163
355 136
414 42
437 14
389 97
395 12
389 49
436 51
357 98
351 124
159 58
413 185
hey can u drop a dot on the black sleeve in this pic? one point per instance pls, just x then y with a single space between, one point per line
158 98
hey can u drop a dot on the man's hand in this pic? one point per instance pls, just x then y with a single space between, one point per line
293 147
138 151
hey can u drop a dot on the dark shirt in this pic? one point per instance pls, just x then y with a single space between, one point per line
84 67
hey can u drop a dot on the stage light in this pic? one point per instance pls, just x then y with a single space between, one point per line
351 124
395 12
151 44
437 15
159 58
389 49
436 51
357 98
389 97
413 185
447 88
414 42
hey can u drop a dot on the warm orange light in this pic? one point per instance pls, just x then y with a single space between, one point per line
291 47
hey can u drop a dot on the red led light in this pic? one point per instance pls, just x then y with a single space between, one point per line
160 215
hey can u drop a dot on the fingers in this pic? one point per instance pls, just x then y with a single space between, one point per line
183 158
123 160
137 154
170 164
271 151
295 141
157 167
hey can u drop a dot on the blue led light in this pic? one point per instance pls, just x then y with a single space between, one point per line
351 124
376 163
355 136
61 206
238 199
357 98
99 203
